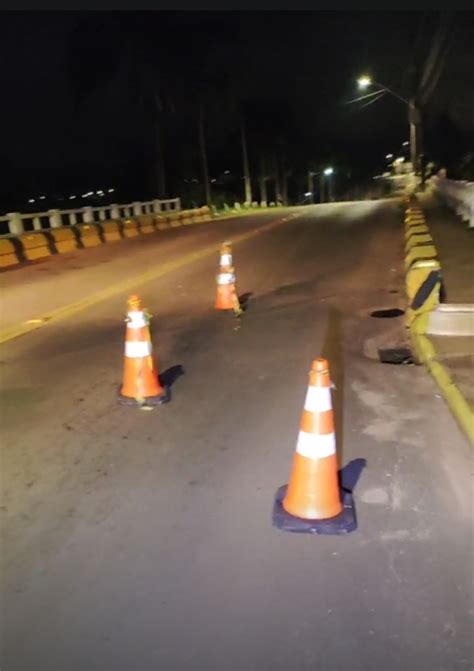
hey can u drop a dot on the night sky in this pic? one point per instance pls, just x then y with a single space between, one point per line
82 93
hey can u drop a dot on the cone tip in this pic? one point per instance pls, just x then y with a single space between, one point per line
320 365
134 302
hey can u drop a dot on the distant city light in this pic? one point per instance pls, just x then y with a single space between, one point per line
100 192
42 197
110 190
405 144
364 81
213 181
84 195
226 172
328 171
389 156
308 193
72 197
31 200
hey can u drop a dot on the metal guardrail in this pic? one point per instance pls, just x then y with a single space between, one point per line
457 195
19 223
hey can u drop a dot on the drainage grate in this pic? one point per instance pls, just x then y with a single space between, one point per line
397 355
388 313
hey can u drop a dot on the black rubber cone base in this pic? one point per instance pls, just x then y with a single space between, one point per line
148 402
343 523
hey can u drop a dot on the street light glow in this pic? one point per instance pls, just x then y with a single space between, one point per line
364 82
389 156
328 171
405 144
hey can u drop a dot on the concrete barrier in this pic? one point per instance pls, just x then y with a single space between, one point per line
147 224
423 272
130 228
205 213
418 239
35 246
111 231
161 222
196 215
8 254
89 235
186 217
64 240
420 252
174 219
415 230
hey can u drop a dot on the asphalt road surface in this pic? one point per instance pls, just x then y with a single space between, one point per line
142 541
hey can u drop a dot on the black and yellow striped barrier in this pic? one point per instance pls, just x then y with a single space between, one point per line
423 271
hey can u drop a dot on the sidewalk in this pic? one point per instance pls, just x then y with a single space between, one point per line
454 242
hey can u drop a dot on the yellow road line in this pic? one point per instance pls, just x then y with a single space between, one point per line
73 308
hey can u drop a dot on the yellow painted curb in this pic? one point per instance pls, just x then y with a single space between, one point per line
73 308
462 411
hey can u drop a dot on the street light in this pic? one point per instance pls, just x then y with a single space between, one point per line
365 81
388 156
326 172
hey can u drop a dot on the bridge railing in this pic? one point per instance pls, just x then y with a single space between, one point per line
19 223
457 195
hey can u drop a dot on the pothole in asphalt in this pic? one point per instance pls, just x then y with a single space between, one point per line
387 313
396 355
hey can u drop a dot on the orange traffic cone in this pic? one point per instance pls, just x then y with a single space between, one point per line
141 385
313 501
226 297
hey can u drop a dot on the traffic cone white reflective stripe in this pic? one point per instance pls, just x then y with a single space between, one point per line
318 399
316 446
136 349
225 278
136 320
226 259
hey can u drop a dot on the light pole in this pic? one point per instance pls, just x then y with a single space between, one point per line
311 185
327 172
414 118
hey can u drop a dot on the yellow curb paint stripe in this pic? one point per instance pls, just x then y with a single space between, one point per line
120 287
453 396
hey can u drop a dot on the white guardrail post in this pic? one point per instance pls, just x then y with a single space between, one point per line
88 215
55 219
15 223
114 211
137 209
